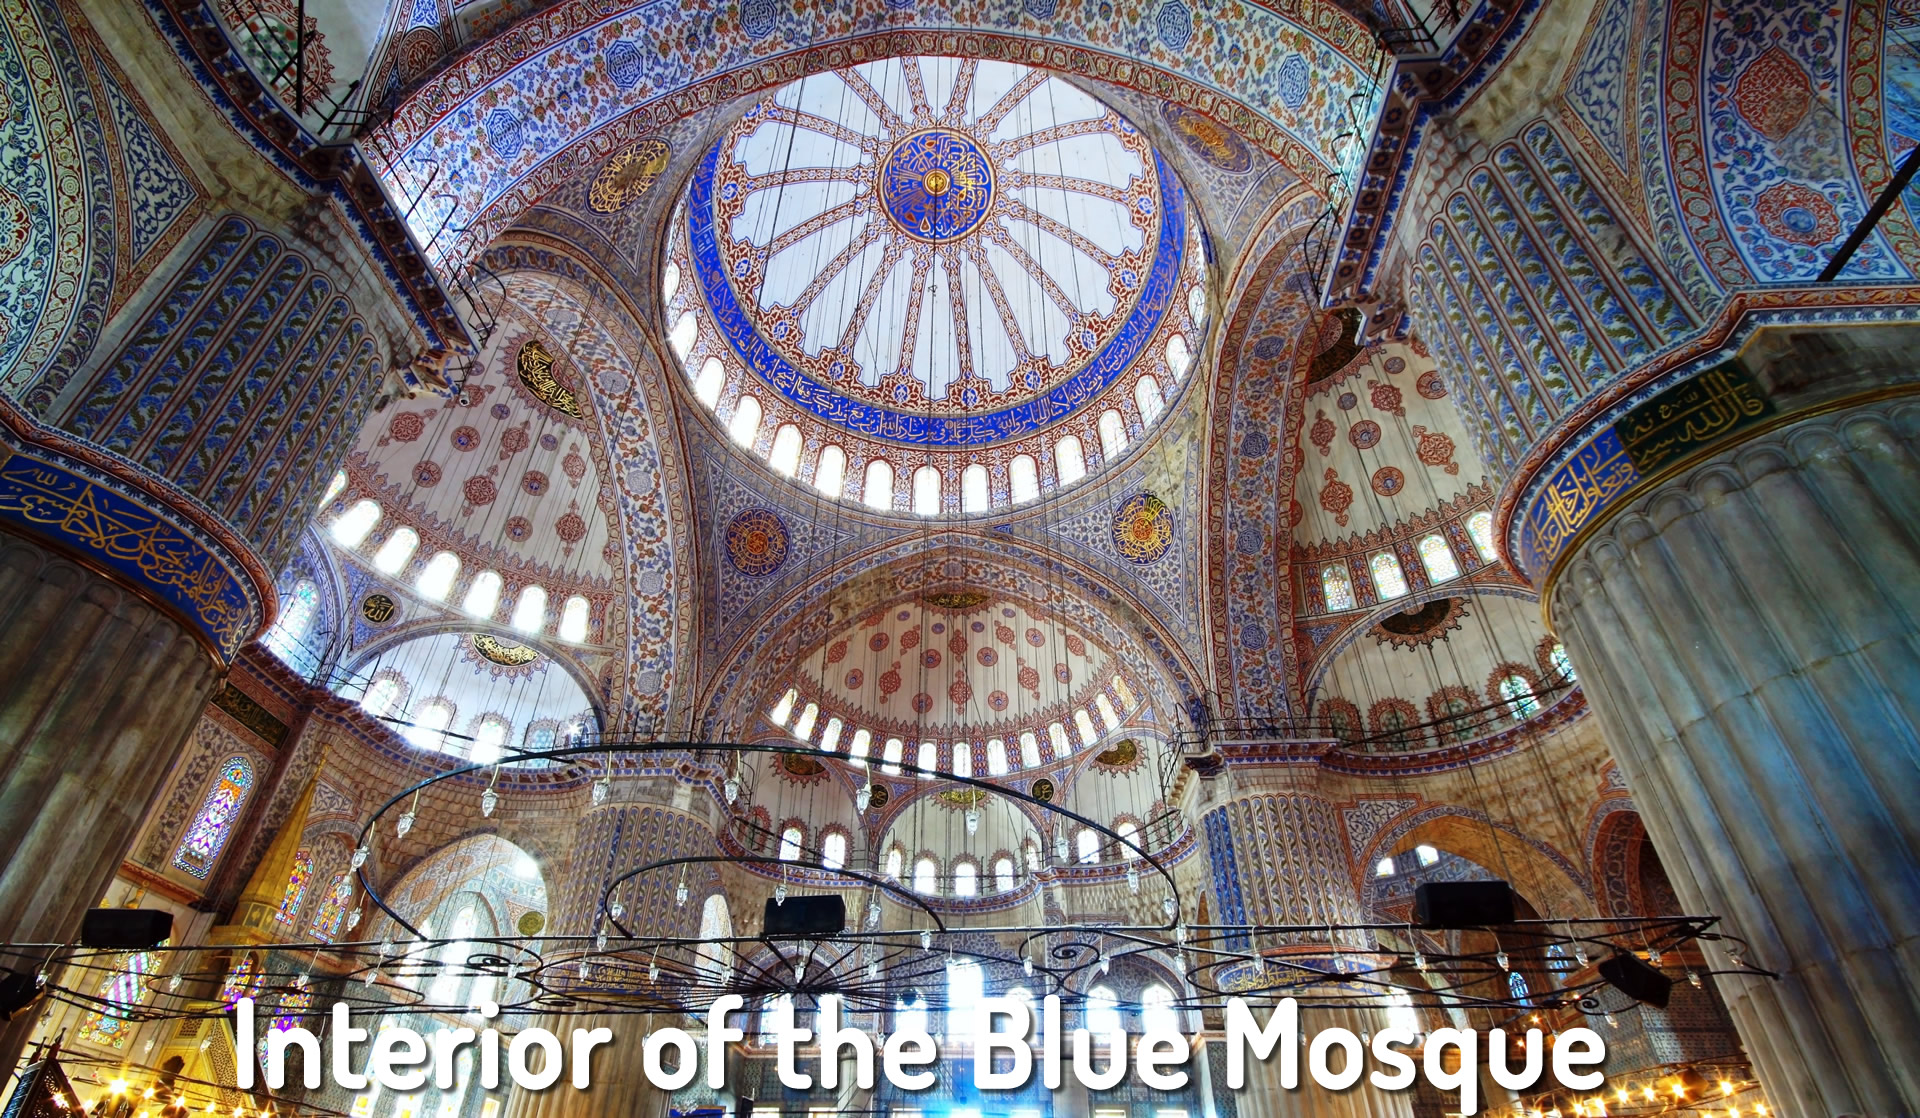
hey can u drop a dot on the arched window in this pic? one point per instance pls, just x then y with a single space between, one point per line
1103 1012
787 444
207 835
1129 840
928 759
1388 579
1426 855
858 747
783 709
894 861
119 994
1179 356
1003 874
1023 479
1562 667
744 427
996 757
353 525
791 839
1057 734
288 636
710 383
966 989
573 620
1088 842
1032 849
489 740
1383 868
830 473
962 759
926 877
288 914
1518 695
1156 1010
686 330
530 613
1480 530
975 494
891 756
1146 397
966 880
394 554
483 595
1084 723
239 981
803 725
429 725
1438 558
326 920
1517 987
926 491
1121 689
1338 588
437 577
716 923
776 1017
879 490
1113 435
334 487
1029 749
1069 460
833 850
669 282
830 737
1108 716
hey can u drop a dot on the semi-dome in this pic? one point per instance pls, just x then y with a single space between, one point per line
934 284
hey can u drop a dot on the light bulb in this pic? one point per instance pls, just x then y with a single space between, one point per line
1612 1021
1693 977
780 893
300 981
680 896
616 910
1735 960
353 919
600 789
386 946
799 969
513 971
359 858
1027 965
653 972
863 798
873 972
873 914
1580 954
1653 956
1106 962
973 820
600 941
404 824
488 801
1170 906
1419 962
926 941
1501 958
343 889
1180 934
372 977
732 789
1133 878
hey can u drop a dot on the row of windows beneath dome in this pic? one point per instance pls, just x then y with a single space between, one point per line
1000 758
438 576
1423 854
485 738
1390 580
1102 1014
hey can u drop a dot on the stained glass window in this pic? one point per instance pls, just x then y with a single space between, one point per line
287 638
1387 576
1337 587
1438 559
1480 528
1518 694
120 994
326 921
1517 986
293 1006
207 835
1561 665
297 881
239 983
790 842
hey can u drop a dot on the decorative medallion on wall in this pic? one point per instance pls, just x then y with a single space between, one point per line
378 609
959 798
1043 790
1218 145
1121 756
877 798
531 923
1422 625
504 653
802 768
1797 213
536 372
936 185
1142 528
757 542
627 176
955 601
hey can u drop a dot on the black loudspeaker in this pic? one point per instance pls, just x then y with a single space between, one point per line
18 993
805 916
1637 980
128 929
1462 904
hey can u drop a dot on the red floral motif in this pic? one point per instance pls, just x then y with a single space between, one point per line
1029 677
1336 497
960 691
16 224
513 440
1431 385
922 703
426 474
1435 449
987 657
479 490
1385 397
519 528
877 641
1075 645
855 678
1322 433
570 528
464 438
930 658
957 643
910 639
1797 213
574 466
407 426
1003 633
889 681
837 652
1773 94
997 700
1388 481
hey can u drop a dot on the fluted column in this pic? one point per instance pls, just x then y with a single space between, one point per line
1746 632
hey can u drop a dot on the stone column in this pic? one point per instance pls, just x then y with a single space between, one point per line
1278 854
1746 632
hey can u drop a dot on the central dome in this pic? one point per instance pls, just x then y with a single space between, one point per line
936 253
